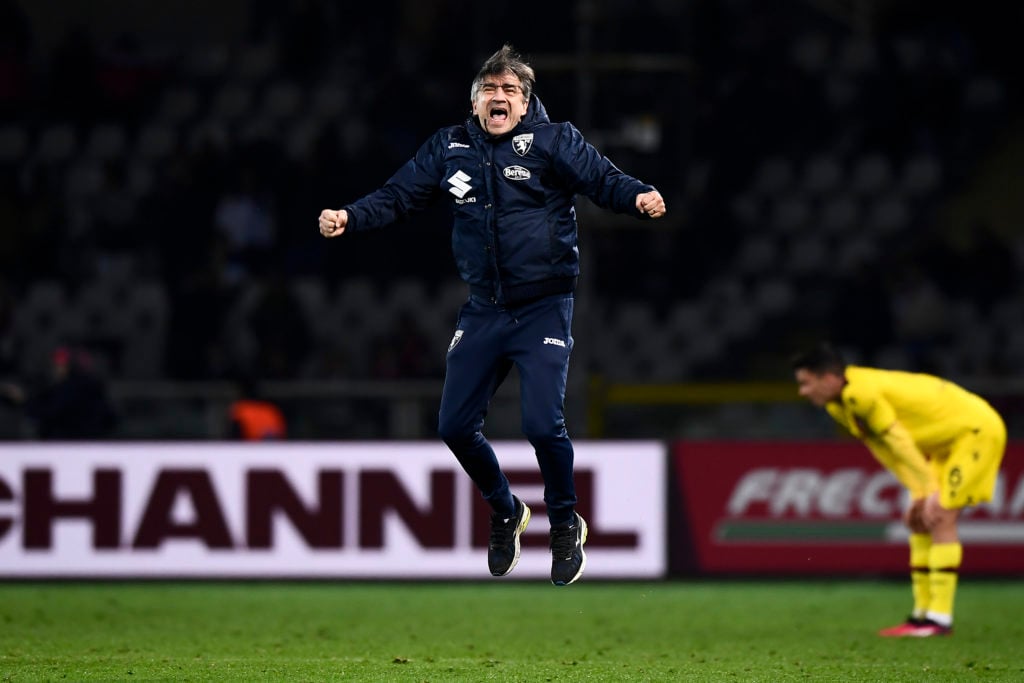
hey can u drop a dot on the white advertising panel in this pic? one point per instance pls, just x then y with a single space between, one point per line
308 510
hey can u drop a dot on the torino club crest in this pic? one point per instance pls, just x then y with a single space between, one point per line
522 143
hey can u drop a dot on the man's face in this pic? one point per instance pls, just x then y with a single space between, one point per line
499 104
819 389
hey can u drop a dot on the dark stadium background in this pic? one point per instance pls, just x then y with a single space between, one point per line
833 168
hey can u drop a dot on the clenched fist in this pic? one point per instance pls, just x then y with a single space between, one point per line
332 223
651 203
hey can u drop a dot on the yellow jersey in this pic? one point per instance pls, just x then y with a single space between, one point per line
907 419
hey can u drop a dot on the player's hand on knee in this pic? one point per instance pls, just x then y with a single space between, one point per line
913 517
933 514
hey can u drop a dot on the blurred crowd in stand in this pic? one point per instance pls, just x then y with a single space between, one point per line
833 169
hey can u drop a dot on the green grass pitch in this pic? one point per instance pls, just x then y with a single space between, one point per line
499 630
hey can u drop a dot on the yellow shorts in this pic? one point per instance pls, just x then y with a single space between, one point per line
968 475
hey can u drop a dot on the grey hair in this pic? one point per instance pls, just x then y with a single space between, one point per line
501 62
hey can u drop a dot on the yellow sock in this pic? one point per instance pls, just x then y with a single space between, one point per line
944 566
920 578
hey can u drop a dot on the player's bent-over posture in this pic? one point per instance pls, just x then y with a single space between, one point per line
943 443
510 175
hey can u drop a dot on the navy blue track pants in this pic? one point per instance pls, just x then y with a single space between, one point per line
490 339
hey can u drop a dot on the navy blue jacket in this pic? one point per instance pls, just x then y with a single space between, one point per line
514 232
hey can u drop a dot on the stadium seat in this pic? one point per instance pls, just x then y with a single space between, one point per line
790 214
1011 351
141 177
156 141
206 63
231 102
178 105
739 322
840 216
811 51
892 356
857 56
841 92
809 255
706 347
911 53
748 208
84 178
106 142
888 215
40 323
723 291
872 175
100 310
300 135
670 366
821 175
239 341
983 93
856 251
314 299
147 313
920 176
773 175
281 100
14 145
257 128
328 102
686 318
254 63
697 176
774 297
354 319
56 144
757 254
210 131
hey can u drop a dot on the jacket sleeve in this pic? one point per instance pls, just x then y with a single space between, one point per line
589 173
411 189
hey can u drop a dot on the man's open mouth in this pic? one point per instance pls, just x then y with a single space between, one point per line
498 114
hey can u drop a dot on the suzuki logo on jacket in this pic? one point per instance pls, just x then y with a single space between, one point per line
460 184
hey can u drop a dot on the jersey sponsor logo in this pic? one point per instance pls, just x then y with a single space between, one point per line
460 184
516 173
460 145
554 342
522 144
455 340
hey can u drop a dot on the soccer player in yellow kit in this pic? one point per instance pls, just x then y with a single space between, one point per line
943 443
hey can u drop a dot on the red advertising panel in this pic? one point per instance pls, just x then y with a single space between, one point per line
822 508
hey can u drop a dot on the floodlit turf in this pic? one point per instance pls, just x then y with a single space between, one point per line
499 630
